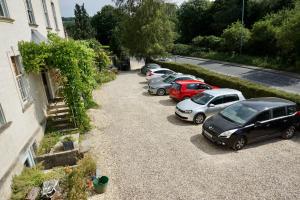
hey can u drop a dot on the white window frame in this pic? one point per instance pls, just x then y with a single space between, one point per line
20 78
54 16
30 13
3 7
45 8
2 117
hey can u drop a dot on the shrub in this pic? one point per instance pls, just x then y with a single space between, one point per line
249 89
48 141
182 49
210 42
232 36
87 165
32 177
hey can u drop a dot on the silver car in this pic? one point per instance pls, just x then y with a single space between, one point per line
162 88
161 78
207 103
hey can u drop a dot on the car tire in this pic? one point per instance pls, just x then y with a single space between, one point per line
289 132
199 118
161 92
238 143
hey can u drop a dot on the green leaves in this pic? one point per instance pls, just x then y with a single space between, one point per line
76 63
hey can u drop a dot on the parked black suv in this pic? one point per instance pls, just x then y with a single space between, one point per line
252 120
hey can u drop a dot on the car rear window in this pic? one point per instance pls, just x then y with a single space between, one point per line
279 112
176 86
291 110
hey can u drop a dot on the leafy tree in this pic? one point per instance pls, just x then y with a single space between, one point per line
148 32
233 34
288 36
104 23
83 28
194 19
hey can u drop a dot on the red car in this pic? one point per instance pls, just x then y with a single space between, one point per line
186 89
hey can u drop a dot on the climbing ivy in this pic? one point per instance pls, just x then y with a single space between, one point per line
76 64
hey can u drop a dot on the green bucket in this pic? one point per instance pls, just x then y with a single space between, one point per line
100 184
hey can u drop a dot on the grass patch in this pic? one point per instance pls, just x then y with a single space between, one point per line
249 89
48 141
105 76
32 177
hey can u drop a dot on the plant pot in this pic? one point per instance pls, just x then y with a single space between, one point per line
100 184
68 145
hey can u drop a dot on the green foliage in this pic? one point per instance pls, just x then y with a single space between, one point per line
75 61
232 36
31 177
82 29
48 141
148 32
194 19
248 88
87 166
182 49
102 60
209 42
105 76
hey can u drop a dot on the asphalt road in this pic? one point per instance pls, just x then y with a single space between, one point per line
280 80
149 154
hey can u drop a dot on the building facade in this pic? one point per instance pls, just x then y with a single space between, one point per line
23 97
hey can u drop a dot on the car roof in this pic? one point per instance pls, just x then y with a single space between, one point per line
265 103
158 69
183 82
153 64
222 91
183 75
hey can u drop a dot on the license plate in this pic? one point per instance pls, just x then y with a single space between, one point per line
208 134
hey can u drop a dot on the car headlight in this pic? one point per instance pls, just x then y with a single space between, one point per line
188 111
227 134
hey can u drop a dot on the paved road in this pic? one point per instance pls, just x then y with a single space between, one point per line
284 81
149 154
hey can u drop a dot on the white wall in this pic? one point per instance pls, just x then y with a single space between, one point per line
26 126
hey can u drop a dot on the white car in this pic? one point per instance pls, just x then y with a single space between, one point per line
154 73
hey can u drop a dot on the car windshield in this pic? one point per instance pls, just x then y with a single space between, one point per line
169 79
238 113
202 98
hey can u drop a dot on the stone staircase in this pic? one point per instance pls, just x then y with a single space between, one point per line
60 117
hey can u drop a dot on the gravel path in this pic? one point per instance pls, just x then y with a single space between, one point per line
149 154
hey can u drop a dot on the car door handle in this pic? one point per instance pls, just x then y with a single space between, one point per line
268 125
285 120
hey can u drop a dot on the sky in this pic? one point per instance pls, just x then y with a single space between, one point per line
92 6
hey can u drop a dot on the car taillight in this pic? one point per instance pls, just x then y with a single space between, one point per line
298 113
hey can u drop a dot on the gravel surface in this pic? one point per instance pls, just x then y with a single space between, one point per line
150 154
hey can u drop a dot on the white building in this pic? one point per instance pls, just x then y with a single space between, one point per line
23 97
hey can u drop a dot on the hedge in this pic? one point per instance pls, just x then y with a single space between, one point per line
248 88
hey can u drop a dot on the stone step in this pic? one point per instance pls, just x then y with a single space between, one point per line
58 110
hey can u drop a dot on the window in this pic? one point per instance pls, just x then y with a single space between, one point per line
291 110
46 13
217 100
3 9
2 117
19 73
54 15
264 116
231 98
30 12
279 112
203 87
193 86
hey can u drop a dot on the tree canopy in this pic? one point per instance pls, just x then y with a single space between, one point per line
82 28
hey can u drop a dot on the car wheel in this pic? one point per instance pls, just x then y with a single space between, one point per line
239 143
199 118
289 132
161 92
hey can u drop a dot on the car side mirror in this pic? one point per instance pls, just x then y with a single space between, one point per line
258 124
212 105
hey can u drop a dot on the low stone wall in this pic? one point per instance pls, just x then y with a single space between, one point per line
65 158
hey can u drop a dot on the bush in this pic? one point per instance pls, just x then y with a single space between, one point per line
210 42
232 36
182 49
48 141
105 76
249 89
87 165
32 177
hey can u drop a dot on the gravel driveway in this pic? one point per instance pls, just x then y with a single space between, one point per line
149 154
